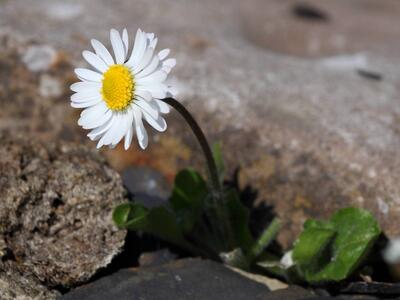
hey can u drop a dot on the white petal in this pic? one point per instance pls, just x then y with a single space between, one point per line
125 39
157 90
144 61
152 67
98 132
146 95
100 108
158 124
88 75
129 132
97 117
85 104
128 137
121 130
153 43
163 54
102 52
85 85
141 132
118 46
168 64
155 77
162 106
172 91
138 39
146 107
138 49
108 137
150 36
86 96
95 61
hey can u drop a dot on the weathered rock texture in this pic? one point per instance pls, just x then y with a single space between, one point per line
55 213
181 279
303 94
21 286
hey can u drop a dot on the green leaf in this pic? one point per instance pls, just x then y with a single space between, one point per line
162 223
219 160
312 242
187 199
239 218
331 251
130 214
158 221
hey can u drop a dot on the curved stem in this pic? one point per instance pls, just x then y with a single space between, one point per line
212 167
220 220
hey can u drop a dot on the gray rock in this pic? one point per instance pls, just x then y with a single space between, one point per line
147 185
33 104
39 57
50 86
14 285
342 297
281 89
55 211
320 28
155 258
383 289
291 293
180 279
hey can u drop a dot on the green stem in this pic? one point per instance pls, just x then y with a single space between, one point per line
267 236
222 222
212 166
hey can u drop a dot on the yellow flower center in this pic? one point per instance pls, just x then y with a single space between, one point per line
118 87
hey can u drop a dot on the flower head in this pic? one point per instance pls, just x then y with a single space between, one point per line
123 90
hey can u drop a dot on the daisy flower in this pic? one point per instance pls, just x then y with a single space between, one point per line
123 90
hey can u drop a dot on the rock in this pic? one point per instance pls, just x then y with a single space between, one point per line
159 257
342 297
317 28
180 279
55 211
14 285
62 11
291 293
33 104
39 57
279 82
49 86
146 185
382 289
272 283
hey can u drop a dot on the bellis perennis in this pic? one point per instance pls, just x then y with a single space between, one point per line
123 90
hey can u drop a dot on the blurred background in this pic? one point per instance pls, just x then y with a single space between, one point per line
304 95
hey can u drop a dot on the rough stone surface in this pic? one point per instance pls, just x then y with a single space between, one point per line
182 279
303 94
317 28
14 285
291 293
55 212
272 283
